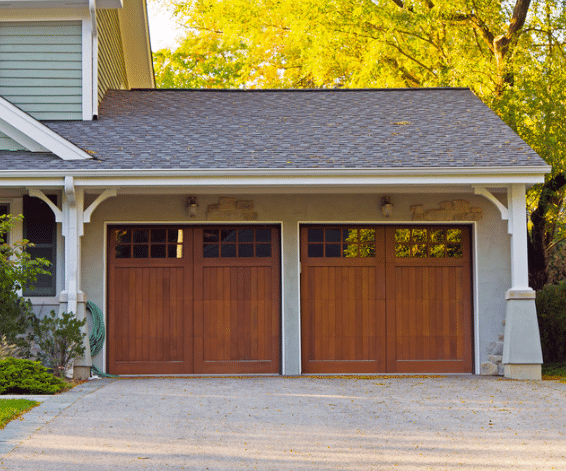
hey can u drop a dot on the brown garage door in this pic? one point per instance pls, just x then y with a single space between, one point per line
193 300
386 299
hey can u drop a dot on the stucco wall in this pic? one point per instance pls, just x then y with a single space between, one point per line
491 261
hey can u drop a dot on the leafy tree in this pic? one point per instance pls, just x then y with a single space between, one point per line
510 53
17 269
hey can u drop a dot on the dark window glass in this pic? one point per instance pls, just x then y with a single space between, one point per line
158 251
228 235
159 235
123 251
263 235
263 250
39 227
175 235
210 251
246 235
316 250
246 250
315 235
141 251
333 250
332 235
141 236
228 250
210 235
123 237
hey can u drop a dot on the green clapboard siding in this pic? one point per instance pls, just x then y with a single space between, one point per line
41 68
8 144
111 67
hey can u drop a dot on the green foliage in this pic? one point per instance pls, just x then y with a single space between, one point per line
17 269
12 408
60 340
551 312
19 376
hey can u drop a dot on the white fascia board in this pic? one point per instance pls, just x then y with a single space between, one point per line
18 123
286 179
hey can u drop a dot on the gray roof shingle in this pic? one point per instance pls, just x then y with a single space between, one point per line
287 129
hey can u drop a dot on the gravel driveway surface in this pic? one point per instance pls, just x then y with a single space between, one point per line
279 423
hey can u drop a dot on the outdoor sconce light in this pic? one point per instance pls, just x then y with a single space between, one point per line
386 206
192 206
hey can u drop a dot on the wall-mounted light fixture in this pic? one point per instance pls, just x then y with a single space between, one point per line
192 206
386 206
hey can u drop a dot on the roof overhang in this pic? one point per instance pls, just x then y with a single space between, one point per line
282 180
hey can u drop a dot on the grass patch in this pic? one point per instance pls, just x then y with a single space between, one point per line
12 408
554 371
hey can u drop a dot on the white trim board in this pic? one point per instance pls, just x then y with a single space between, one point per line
35 136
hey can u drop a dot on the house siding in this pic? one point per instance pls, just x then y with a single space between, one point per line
8 144
111 67
41 68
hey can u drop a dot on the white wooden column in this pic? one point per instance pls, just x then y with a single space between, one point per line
72 299
522 354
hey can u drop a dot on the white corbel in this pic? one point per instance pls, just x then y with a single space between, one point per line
109 193
39 194
505 215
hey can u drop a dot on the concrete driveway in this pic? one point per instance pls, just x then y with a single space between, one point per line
277 423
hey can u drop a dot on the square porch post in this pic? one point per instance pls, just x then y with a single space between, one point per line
522 353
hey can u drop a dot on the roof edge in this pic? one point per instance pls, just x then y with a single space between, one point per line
35 136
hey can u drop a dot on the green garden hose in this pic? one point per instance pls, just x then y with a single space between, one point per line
97 336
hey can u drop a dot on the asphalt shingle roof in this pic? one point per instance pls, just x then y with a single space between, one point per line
285 129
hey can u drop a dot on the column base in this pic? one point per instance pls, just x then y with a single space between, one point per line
81 372
522 371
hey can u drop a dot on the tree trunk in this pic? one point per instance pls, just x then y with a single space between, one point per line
538 240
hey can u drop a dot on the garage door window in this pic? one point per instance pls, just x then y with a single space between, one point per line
149 243
237 243
340 242
428 243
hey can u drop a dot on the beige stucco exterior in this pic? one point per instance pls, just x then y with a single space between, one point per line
491 252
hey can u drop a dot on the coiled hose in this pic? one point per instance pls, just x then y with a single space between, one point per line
97 336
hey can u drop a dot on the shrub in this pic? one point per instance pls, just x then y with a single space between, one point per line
60 340
19 376
17 269
551 312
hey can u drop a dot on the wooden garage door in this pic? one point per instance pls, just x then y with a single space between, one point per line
194 300
386 299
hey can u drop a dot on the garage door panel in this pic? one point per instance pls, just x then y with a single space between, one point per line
341 296
238 318
429 300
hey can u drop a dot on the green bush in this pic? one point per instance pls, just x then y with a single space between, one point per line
19 376
17 270
551 312
60 340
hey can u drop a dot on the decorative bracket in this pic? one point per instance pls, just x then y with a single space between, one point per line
505 214
109 193
39 194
